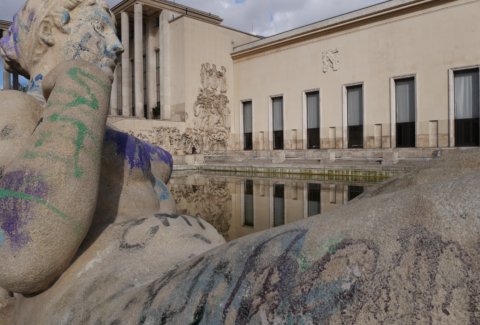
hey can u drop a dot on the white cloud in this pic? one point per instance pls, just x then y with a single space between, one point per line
263 17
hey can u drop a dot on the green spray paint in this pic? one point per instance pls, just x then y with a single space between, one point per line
82 133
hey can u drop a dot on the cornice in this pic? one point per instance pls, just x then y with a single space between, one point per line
344 22
168 5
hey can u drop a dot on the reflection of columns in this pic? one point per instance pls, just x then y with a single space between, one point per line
6 79
138 58
15 81
164 33
113 94
126 91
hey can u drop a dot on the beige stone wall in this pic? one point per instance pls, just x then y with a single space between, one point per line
207 43
425 44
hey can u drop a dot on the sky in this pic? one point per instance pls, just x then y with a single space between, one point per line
260 17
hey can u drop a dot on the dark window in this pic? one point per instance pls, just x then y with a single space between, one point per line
247 126
314 199
278 205
313 120
355 116
466 108
405 112
277 107
248 204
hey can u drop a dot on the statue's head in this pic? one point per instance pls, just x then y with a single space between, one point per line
45 33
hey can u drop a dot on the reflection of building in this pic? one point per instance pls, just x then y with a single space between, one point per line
238 206
403 73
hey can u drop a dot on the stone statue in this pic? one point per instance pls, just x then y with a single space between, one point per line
61 167
406 253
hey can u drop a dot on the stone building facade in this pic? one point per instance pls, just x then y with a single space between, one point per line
400 74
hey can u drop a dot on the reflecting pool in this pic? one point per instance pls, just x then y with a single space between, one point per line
240 204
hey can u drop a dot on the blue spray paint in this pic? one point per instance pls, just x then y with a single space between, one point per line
162 190
138 153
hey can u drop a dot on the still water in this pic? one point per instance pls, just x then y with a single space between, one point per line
238 205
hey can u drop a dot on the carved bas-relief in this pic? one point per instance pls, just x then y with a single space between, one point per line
77 199
330 60
211 111
209 130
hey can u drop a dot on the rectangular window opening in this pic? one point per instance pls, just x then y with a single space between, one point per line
277 113
313 120
405 112
355 116
247 126
466 101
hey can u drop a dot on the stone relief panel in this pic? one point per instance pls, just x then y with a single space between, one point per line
331 60
212 201
211 111
172 139
210 131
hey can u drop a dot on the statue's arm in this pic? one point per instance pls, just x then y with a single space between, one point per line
48 196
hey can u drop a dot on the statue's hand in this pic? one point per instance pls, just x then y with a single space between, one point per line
50 80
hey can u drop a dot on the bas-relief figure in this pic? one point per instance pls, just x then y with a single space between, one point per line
330 60
209 131
408 252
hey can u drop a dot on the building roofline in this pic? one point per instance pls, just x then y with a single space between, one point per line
4 24
169 5
221 26
349 20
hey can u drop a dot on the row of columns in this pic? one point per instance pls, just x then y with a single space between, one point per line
125 74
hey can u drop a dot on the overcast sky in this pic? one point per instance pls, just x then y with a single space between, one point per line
261 17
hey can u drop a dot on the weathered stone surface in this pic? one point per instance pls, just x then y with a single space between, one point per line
408 253
57 172
123 258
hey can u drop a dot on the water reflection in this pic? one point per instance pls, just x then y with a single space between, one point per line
240 205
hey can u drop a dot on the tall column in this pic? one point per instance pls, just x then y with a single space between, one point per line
138 58
126 89
113 94
6 79
164 33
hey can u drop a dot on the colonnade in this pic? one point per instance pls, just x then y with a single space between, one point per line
137 90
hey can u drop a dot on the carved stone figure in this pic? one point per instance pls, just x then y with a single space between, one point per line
330 60
211 110
66 179
406 253
210 130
